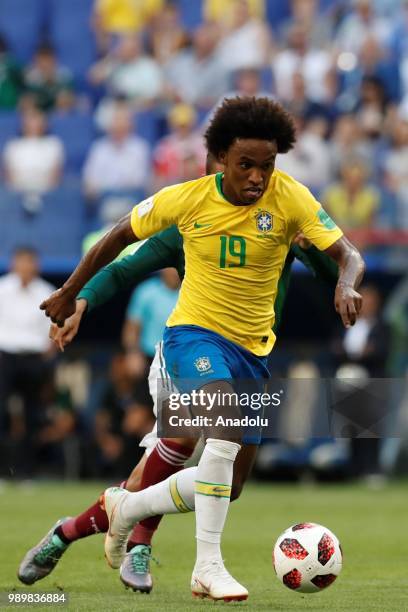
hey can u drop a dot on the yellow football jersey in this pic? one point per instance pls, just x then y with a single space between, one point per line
124 16
234 254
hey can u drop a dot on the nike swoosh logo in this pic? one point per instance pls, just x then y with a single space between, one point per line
220 490
200 225
200 584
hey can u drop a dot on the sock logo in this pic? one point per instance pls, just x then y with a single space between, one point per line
212 489
94 525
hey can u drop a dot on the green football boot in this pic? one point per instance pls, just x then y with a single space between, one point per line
135 569
41 560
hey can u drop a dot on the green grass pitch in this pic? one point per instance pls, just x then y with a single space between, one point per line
371 526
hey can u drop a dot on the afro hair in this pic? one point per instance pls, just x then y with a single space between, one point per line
258 118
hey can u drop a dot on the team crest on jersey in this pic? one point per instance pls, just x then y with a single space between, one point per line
264 221
203 364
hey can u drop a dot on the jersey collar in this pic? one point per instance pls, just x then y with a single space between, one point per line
218 182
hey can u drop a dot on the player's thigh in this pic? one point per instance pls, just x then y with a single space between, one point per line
221 409
194 358
243 465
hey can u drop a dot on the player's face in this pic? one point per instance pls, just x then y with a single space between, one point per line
248 167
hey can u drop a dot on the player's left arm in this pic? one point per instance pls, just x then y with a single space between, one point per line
318 262
351 265
316 225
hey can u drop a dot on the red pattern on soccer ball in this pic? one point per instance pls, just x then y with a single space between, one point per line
293 549
302 526
326 549
292 579
323 581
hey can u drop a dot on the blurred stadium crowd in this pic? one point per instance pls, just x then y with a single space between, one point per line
103 102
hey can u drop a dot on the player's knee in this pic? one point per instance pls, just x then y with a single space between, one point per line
133 482
236 489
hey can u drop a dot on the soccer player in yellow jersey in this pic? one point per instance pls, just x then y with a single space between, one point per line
237 228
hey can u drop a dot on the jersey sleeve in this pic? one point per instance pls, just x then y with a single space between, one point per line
313 221
157 212
168 245
320 264
158 252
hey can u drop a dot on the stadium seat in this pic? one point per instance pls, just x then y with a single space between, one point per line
328 4
22 23
72 36
76 130
267 79
56 231
276 13
191 12
151 125
16 227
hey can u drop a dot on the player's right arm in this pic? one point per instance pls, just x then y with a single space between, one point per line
62 303
145 220
161 251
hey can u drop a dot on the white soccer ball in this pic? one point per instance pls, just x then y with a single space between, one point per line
307 558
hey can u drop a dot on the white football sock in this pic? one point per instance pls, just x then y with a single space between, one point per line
212 496
173 495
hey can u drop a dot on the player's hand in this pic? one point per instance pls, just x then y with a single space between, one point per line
301 240
62 336
348 304
59 306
